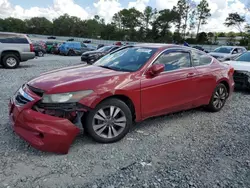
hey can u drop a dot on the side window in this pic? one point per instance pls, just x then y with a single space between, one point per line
240 50
83 45
200 59
113 49
174 60
235 51
10 38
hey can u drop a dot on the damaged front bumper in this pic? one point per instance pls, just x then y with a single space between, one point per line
43 131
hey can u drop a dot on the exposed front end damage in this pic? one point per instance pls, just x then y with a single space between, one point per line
47 127
242 79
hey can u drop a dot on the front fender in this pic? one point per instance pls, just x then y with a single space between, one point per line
93 100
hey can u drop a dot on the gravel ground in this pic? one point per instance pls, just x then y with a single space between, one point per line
188 149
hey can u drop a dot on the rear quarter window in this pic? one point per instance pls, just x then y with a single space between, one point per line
200 59
13 39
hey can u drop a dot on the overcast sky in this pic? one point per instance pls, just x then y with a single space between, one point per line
107 8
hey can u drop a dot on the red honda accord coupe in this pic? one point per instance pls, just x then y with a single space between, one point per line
130 84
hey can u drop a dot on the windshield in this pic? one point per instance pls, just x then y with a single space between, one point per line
225 50
244 57
129 59
104 49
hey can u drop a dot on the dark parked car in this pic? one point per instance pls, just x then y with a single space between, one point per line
92 56
52 37
70 39
200 48
39 49
55 48
86 41
126 86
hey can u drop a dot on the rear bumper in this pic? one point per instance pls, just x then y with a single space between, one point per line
25 56
43 132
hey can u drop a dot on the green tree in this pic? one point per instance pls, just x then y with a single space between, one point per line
235 20
221 34
231 38
39 25
189 14
131 20
117 20
148 16
162 25
210 37
203 13
202 38
13 25
192 21
180 9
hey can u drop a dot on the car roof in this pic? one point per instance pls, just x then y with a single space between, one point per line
12 33
154 45
231 46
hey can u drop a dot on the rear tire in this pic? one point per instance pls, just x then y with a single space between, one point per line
40 54
109 122
10 61
71 53
218 98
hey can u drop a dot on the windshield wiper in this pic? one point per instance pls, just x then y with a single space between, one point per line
114 68
106 67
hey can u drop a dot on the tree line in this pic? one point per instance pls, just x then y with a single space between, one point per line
150 25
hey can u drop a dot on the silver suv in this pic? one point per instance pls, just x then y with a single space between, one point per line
227 53
15 48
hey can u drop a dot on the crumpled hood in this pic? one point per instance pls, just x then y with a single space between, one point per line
219 54
74 78
240 65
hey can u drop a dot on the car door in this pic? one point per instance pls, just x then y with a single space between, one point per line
206 77
171 90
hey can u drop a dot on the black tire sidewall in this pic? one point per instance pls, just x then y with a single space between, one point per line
8 56
41 55
211 106
106 103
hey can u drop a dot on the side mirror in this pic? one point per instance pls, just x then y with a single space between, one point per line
156 69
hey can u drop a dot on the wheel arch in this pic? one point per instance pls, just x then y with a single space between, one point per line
15 52
226 83
128 101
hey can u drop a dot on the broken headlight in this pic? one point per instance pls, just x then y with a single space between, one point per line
70 97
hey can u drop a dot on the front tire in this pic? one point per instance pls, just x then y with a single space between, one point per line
109 122
10 61
218 98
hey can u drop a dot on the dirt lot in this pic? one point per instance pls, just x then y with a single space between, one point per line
188 149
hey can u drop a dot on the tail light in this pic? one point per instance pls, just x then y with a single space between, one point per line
31 48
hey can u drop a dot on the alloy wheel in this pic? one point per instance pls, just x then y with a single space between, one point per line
220 97
109 122
11 62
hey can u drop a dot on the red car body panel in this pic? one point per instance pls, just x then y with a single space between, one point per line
151 96
44 132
